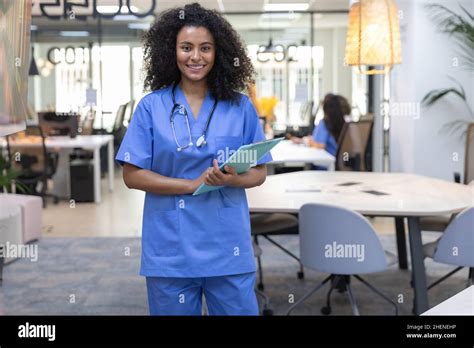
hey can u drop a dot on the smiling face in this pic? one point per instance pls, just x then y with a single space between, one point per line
195 52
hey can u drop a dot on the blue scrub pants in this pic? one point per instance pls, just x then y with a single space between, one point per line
225 295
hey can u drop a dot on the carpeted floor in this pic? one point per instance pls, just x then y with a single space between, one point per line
99 276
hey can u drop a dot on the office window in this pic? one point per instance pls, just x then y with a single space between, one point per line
71 74
114 60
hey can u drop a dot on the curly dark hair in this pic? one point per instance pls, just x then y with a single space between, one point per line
232 70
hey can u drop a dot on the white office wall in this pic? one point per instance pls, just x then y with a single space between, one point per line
417 141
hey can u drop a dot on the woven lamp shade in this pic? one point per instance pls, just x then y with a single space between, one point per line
373 35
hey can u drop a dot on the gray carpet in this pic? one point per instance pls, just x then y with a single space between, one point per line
97 276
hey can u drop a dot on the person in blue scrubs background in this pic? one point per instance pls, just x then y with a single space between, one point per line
194 245
326 133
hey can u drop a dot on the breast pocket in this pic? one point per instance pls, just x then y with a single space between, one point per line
226 146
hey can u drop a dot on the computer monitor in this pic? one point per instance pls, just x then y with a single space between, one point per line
56 123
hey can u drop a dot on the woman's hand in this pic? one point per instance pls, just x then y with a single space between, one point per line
214 176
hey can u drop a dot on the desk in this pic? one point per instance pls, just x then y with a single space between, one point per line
406 195
288 153
460 304
64 145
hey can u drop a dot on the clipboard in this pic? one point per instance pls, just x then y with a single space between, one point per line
242 160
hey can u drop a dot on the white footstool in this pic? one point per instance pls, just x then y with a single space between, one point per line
32 209
10 228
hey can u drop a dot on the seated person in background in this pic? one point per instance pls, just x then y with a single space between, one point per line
327 132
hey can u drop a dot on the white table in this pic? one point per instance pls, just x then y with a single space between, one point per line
290 154
460 304
64 145
407 196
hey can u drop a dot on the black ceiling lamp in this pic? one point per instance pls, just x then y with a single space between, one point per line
33 67
33 71
270 48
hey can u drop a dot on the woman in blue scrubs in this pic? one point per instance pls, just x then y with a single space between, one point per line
326 133
194 245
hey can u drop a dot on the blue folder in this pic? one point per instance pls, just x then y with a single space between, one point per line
242 160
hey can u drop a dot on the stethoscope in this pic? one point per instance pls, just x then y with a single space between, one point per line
182 111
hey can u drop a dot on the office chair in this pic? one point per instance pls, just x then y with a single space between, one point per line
35 164
352 146
266 225
53 123
455 246
257 251
440 223
129 108
118 132
324 230
120 128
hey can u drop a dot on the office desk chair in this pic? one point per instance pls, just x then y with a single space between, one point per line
440 223
324 229
352 146
35 164
118 132
56 123
455 246
274 224
129 109
119 129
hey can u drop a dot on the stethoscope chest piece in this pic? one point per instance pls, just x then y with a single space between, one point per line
201 141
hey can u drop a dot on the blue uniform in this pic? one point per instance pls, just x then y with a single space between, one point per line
187 236
322 135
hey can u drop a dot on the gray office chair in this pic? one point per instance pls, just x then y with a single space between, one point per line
456 246
440 223
36 164
324 229
352 147
273 224
266 311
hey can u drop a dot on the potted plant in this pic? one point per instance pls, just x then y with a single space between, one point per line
8 176
460 27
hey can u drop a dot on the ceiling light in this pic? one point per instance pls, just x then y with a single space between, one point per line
298 6
74 33
114 9
140 26
373 36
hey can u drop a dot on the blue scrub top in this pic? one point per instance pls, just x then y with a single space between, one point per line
322 135
184 235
